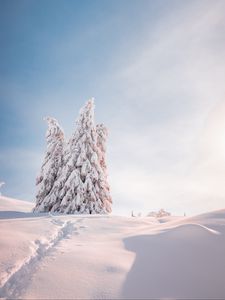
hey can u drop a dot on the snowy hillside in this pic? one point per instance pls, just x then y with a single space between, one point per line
8 204
93 256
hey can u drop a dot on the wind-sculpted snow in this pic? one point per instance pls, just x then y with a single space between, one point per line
110 257
185 262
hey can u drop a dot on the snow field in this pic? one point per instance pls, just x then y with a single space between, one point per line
99 256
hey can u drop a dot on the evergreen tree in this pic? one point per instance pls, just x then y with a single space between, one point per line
80 183
81 191
52 163
67 189
82 178
102 135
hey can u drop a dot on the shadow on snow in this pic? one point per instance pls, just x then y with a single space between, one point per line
184 262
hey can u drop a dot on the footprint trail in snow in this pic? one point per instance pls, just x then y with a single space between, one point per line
17 281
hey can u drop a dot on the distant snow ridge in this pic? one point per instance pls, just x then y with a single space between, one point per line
73 176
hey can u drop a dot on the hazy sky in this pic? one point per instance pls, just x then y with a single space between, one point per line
157 72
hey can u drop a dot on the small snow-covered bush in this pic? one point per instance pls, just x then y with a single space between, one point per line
159 214
1 184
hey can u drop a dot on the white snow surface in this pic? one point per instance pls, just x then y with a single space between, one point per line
45 256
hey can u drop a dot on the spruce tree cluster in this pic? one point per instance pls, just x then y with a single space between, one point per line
73 177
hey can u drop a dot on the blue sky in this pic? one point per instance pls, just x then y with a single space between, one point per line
156 70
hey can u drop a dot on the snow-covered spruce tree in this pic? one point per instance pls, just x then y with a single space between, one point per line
102 134
69 175
52 164
82 177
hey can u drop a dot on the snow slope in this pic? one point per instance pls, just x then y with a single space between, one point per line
8 204
52 256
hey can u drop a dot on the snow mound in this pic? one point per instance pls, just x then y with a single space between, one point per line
218 214
184 263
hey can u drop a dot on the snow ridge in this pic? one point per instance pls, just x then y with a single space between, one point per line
14 283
